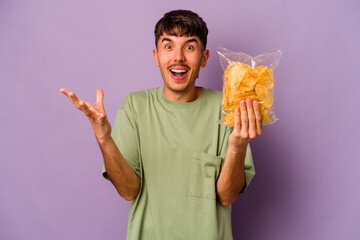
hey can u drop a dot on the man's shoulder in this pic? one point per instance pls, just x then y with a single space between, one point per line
139 97
212 92
143 93
212 95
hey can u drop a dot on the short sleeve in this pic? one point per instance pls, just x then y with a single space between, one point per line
248 162
125 135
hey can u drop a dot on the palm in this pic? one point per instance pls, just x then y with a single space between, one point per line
247 126
95 113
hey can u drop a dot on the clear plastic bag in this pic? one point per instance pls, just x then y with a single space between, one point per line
248 77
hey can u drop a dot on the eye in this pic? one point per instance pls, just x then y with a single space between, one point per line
190 47
167 46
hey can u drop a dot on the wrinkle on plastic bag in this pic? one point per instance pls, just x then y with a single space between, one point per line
248 77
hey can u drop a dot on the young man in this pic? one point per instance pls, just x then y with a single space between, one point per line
166 152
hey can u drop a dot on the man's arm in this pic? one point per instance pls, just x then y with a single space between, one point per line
125 180
123 177
232 177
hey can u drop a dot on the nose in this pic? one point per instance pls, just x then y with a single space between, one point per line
179 55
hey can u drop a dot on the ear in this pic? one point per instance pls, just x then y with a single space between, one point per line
155 54
205 57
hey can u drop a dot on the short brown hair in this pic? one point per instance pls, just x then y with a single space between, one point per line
182 23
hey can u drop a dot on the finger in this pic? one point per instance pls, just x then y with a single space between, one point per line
100 99
73 98
84 106
94 113
258 118
244 119
237 126
251 117
65 92
90 107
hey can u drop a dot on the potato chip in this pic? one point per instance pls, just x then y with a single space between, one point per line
229 119
241 82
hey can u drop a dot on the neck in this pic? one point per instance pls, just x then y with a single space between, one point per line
188 96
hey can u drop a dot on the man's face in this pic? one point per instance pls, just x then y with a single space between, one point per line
180 59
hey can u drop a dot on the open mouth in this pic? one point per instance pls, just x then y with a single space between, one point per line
179 74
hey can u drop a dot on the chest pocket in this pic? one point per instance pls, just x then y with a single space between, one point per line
205 169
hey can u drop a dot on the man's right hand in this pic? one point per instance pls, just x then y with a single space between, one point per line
125 180
95 113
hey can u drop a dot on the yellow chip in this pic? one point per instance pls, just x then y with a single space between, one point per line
241 82
229 119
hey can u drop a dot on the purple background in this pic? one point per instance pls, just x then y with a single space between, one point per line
307 182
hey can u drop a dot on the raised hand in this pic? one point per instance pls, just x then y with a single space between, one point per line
248 128
95 113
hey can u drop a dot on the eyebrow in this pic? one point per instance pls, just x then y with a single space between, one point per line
188 41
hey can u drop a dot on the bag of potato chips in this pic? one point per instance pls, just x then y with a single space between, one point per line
248 77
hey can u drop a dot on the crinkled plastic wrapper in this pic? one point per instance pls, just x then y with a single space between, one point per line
248 77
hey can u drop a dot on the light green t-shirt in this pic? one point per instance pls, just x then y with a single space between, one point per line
177 149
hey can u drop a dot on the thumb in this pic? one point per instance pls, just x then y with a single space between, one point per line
99 96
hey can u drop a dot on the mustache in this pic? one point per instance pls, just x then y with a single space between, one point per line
179 64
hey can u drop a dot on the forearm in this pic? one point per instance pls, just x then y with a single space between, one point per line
122 176
120 173
232 177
